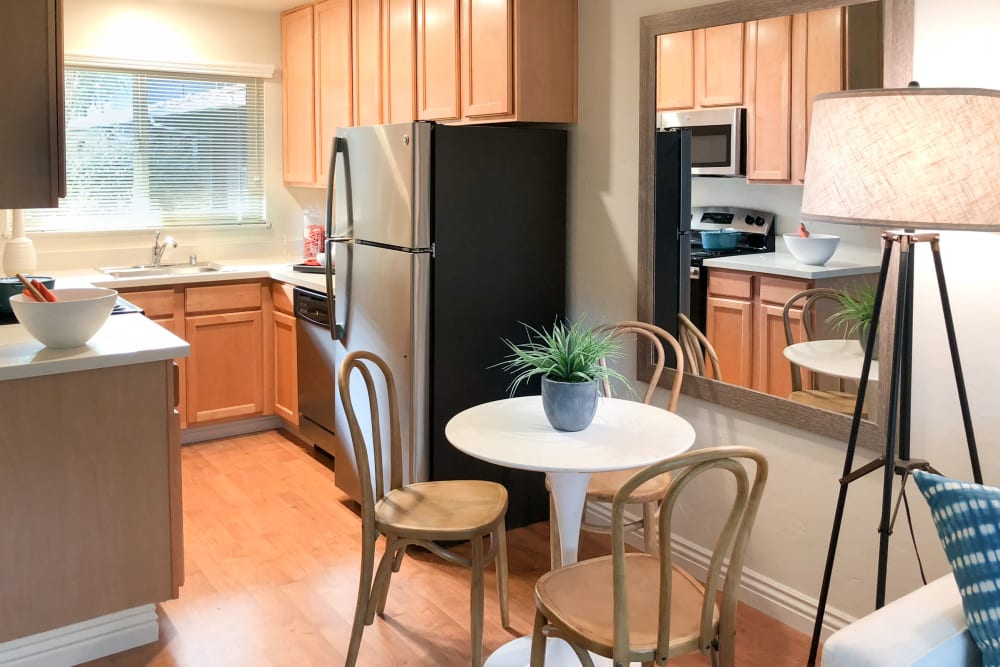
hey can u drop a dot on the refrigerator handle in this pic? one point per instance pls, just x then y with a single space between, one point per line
337 331
338 326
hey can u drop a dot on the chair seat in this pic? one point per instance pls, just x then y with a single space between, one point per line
604 485
580 598
834 401
459 509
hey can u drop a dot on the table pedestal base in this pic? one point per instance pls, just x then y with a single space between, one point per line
517 653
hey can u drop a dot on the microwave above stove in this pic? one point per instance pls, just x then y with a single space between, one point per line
718 140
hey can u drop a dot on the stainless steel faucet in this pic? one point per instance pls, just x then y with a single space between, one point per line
160 248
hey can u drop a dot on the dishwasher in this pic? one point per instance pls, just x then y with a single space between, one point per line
316 369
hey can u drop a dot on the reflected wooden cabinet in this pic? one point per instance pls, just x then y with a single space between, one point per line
769 81
700 68
32 117
729 326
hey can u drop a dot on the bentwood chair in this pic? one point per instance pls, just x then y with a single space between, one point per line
604 485
640 607
699 356
416 514
834 400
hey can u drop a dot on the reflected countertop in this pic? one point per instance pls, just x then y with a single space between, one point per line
783 264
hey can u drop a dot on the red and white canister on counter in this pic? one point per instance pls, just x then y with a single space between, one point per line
312 234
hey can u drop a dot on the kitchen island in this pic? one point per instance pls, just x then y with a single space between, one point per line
90 527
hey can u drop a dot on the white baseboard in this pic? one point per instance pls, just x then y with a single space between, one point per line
84 641
193 434
791 607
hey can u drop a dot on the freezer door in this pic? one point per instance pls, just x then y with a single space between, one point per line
672 228
382 183
384 309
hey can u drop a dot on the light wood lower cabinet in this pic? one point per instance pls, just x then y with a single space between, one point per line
242 361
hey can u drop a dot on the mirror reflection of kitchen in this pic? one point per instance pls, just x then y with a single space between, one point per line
733 109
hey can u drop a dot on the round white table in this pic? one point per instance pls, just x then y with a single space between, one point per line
515 433
839 357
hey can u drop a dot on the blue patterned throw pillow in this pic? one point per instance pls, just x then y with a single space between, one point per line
967 517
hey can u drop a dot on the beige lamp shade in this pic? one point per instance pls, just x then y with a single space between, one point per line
922 158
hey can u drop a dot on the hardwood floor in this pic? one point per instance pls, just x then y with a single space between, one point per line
271 555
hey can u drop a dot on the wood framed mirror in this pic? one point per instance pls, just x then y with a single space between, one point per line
897 60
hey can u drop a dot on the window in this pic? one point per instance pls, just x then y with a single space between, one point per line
153 149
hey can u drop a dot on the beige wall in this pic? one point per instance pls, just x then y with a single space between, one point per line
789 544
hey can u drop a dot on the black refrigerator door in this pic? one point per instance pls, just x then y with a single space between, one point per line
499 237
672 228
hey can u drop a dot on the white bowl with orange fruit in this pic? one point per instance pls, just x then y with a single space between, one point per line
810 248
65 317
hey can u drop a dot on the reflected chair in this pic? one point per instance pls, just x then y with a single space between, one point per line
639 607
604 485
699 356
415 514
832 400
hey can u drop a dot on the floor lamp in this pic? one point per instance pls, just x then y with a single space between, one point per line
915 159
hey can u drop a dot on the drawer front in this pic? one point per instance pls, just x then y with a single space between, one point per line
156 303
281 296
780 290
222 297
733 284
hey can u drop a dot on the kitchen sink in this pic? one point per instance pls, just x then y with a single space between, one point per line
146 270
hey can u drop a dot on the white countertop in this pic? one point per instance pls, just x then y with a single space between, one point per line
783 264
122 341
231 270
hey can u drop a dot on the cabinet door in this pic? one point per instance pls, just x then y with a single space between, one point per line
487 57
367 40
718 62
399 52
773 374
675 71
286 383
166 308
817 67
334 78
768 153
437 59
298 122
32 118
225 369
728 328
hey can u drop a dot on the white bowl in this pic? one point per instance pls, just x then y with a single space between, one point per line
69 322
814 249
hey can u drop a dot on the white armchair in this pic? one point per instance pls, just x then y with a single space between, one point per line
925 628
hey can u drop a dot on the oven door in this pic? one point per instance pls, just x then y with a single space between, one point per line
718 144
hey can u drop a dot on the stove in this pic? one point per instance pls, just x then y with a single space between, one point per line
756 230
122 307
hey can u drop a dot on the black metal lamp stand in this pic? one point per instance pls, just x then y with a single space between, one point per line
898 418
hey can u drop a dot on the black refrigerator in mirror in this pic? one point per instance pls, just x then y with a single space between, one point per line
672 228
445 239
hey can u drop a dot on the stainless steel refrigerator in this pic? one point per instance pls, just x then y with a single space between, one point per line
445 240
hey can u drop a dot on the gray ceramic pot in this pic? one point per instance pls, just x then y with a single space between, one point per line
863 340
569 406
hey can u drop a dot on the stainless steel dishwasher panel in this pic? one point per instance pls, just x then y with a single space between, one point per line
317 371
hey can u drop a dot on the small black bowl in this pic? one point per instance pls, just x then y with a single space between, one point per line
11 286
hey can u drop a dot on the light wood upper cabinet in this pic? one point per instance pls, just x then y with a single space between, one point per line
675 71
399 61
367 41
437 59
297 90
718 64
488 62
700 68
32 117
334 79
769 64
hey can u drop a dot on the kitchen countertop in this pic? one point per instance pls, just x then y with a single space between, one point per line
122 341
783 264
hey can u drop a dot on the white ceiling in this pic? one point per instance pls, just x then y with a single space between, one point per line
258 5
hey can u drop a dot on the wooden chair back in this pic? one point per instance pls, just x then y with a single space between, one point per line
808 300
656 336
699 355
371 455
730 547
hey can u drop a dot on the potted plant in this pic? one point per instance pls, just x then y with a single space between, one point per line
857 308
568 359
